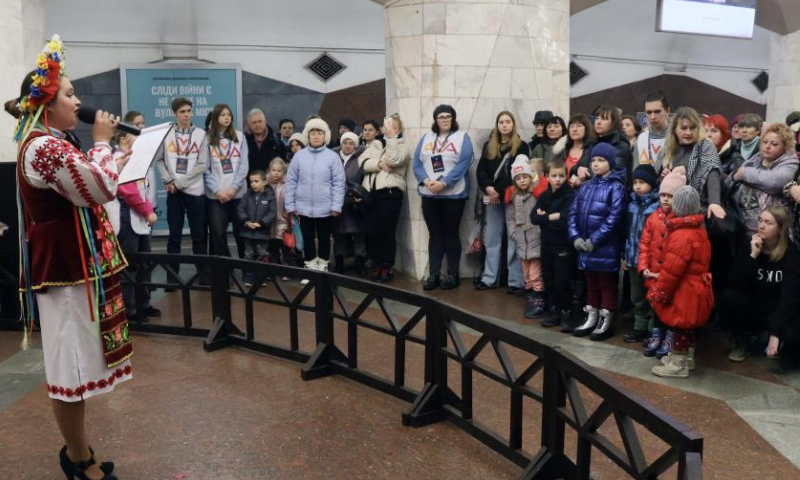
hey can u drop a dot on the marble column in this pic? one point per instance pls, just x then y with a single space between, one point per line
481 57
22 24
784 76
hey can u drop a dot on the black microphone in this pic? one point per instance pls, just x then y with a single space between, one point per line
87 115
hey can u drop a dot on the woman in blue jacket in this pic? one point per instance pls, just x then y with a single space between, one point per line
596 229
441 165
315 186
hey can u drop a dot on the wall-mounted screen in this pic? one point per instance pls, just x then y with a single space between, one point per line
723 18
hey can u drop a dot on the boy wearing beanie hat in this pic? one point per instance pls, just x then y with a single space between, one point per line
526 236
682 295
651 249
643 202
596 229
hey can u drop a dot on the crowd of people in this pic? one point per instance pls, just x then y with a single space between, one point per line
673 212
686 210
262 184
698 218
682 211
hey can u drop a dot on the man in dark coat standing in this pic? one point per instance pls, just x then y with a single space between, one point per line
261 145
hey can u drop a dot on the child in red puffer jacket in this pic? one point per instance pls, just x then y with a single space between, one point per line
682 296
651 253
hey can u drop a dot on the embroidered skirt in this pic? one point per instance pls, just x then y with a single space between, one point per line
75 360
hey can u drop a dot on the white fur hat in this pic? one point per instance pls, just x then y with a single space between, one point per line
317 124
349 136
299 137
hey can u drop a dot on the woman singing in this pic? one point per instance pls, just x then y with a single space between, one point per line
70 254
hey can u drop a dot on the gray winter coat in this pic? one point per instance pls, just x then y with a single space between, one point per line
762 187
526 236
315 183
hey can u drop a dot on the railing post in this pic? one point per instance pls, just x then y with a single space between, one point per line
220 304
319 364
428 406
551 462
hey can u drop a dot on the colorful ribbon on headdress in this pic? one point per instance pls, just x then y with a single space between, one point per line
50 66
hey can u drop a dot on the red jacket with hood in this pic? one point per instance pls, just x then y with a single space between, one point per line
682 296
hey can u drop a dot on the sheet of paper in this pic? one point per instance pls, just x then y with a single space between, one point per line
145 148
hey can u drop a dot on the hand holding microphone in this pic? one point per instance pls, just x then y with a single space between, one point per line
103 127
104 124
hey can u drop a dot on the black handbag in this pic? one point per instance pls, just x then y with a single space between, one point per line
357 197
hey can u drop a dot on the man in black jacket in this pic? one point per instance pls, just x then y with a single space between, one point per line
261 145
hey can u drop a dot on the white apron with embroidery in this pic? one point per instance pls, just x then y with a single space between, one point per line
74 363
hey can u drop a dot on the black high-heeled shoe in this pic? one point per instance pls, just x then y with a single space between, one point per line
71 469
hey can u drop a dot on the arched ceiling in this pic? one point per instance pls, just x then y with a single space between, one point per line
779 16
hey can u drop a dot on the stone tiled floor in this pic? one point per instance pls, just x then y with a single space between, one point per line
232 414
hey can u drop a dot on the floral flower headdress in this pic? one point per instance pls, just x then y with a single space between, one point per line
50 66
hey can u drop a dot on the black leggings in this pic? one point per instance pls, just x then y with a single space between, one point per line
443 218
382 230
319 229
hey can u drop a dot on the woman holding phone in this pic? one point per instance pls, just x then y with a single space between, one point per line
385 163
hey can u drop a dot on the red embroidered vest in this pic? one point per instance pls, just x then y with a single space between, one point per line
52 234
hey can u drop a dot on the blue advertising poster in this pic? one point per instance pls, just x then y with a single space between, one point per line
150 89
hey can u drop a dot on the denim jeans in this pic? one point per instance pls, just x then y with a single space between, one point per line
493 234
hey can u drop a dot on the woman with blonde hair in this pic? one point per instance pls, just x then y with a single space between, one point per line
687 147
762 178
385 162
762 294
494 177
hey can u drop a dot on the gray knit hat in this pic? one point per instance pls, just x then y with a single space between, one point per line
686 201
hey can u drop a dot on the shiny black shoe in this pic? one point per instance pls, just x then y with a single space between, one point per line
432 283
152 312
70 469
482 286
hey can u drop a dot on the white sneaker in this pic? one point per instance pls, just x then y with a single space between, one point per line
322 265
675 367
310 265
689 359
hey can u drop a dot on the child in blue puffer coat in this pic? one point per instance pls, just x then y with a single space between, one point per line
596 229
643 202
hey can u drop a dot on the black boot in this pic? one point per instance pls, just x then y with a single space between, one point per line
552 318
451 281
431 283
566 321
536 305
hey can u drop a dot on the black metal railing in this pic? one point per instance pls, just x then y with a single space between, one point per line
564 386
